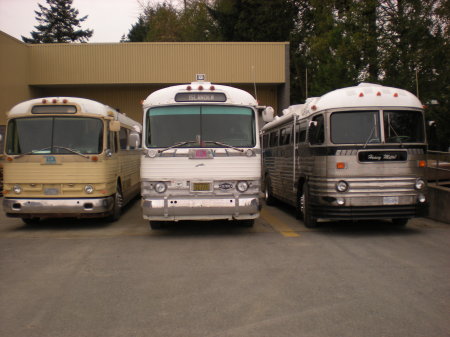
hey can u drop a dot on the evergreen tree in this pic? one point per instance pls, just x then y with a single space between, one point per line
58 23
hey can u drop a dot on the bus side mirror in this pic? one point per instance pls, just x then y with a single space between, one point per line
114 126
134 140
268 114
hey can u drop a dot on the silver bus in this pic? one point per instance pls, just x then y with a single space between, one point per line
353 153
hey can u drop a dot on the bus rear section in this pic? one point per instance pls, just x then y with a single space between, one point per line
202 156
363 157
69 157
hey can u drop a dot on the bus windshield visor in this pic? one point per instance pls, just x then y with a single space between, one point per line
355 127
54 135
404 126
198 125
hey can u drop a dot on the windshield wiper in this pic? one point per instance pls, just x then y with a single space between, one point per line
225 145
72 150
176 145
51 147
398 138
32 152
370 137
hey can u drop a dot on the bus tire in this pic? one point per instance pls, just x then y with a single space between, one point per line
117 206
400 222
308 219
156 225
270 200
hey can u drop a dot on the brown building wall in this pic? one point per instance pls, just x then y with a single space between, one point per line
123 74
14 73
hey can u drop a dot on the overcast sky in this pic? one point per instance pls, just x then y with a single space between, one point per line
109 19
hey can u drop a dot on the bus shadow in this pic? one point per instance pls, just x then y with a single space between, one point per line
201 228
352 228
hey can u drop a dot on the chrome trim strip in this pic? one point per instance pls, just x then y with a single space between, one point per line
59 206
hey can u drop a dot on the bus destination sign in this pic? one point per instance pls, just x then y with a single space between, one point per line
200 97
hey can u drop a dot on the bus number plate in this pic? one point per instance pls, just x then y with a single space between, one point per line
201 187
390 200
51 191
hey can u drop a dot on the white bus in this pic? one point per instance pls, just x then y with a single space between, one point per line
69 157
353 153
202 156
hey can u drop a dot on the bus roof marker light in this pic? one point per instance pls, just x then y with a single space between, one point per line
188 88
314 107
378 93
200 87
65 101
44 101
54 101
212 88
361 94
395 94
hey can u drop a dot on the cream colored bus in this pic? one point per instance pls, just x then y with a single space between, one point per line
69 157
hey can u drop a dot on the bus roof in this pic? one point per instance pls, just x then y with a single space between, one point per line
363 95
195 90
86 105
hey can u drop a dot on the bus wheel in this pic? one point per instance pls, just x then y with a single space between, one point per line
400 222
308 219
30 221
156 225
270 200
117 207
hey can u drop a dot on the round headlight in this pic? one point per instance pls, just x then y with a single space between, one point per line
160 187
17 189
89 189
242 186
420 184
152 153
341 186
249 153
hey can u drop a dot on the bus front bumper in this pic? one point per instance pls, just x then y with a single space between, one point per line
82 207
202 208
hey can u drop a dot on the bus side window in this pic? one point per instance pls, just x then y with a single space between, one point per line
273 139
316 132
302 134
285 138
266 140
123 138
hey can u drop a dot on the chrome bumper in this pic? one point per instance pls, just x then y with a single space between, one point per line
57 207
202 208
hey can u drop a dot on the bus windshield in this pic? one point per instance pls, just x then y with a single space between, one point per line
195 124
355 127
54 135
403 126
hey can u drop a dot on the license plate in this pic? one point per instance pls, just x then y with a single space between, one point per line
51 191
390 200
201 187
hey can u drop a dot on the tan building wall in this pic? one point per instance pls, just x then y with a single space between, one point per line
123 74
14 73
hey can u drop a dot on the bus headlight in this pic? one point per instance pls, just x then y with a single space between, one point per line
89 189
242 186
160 187
341 186
420 184
17 189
